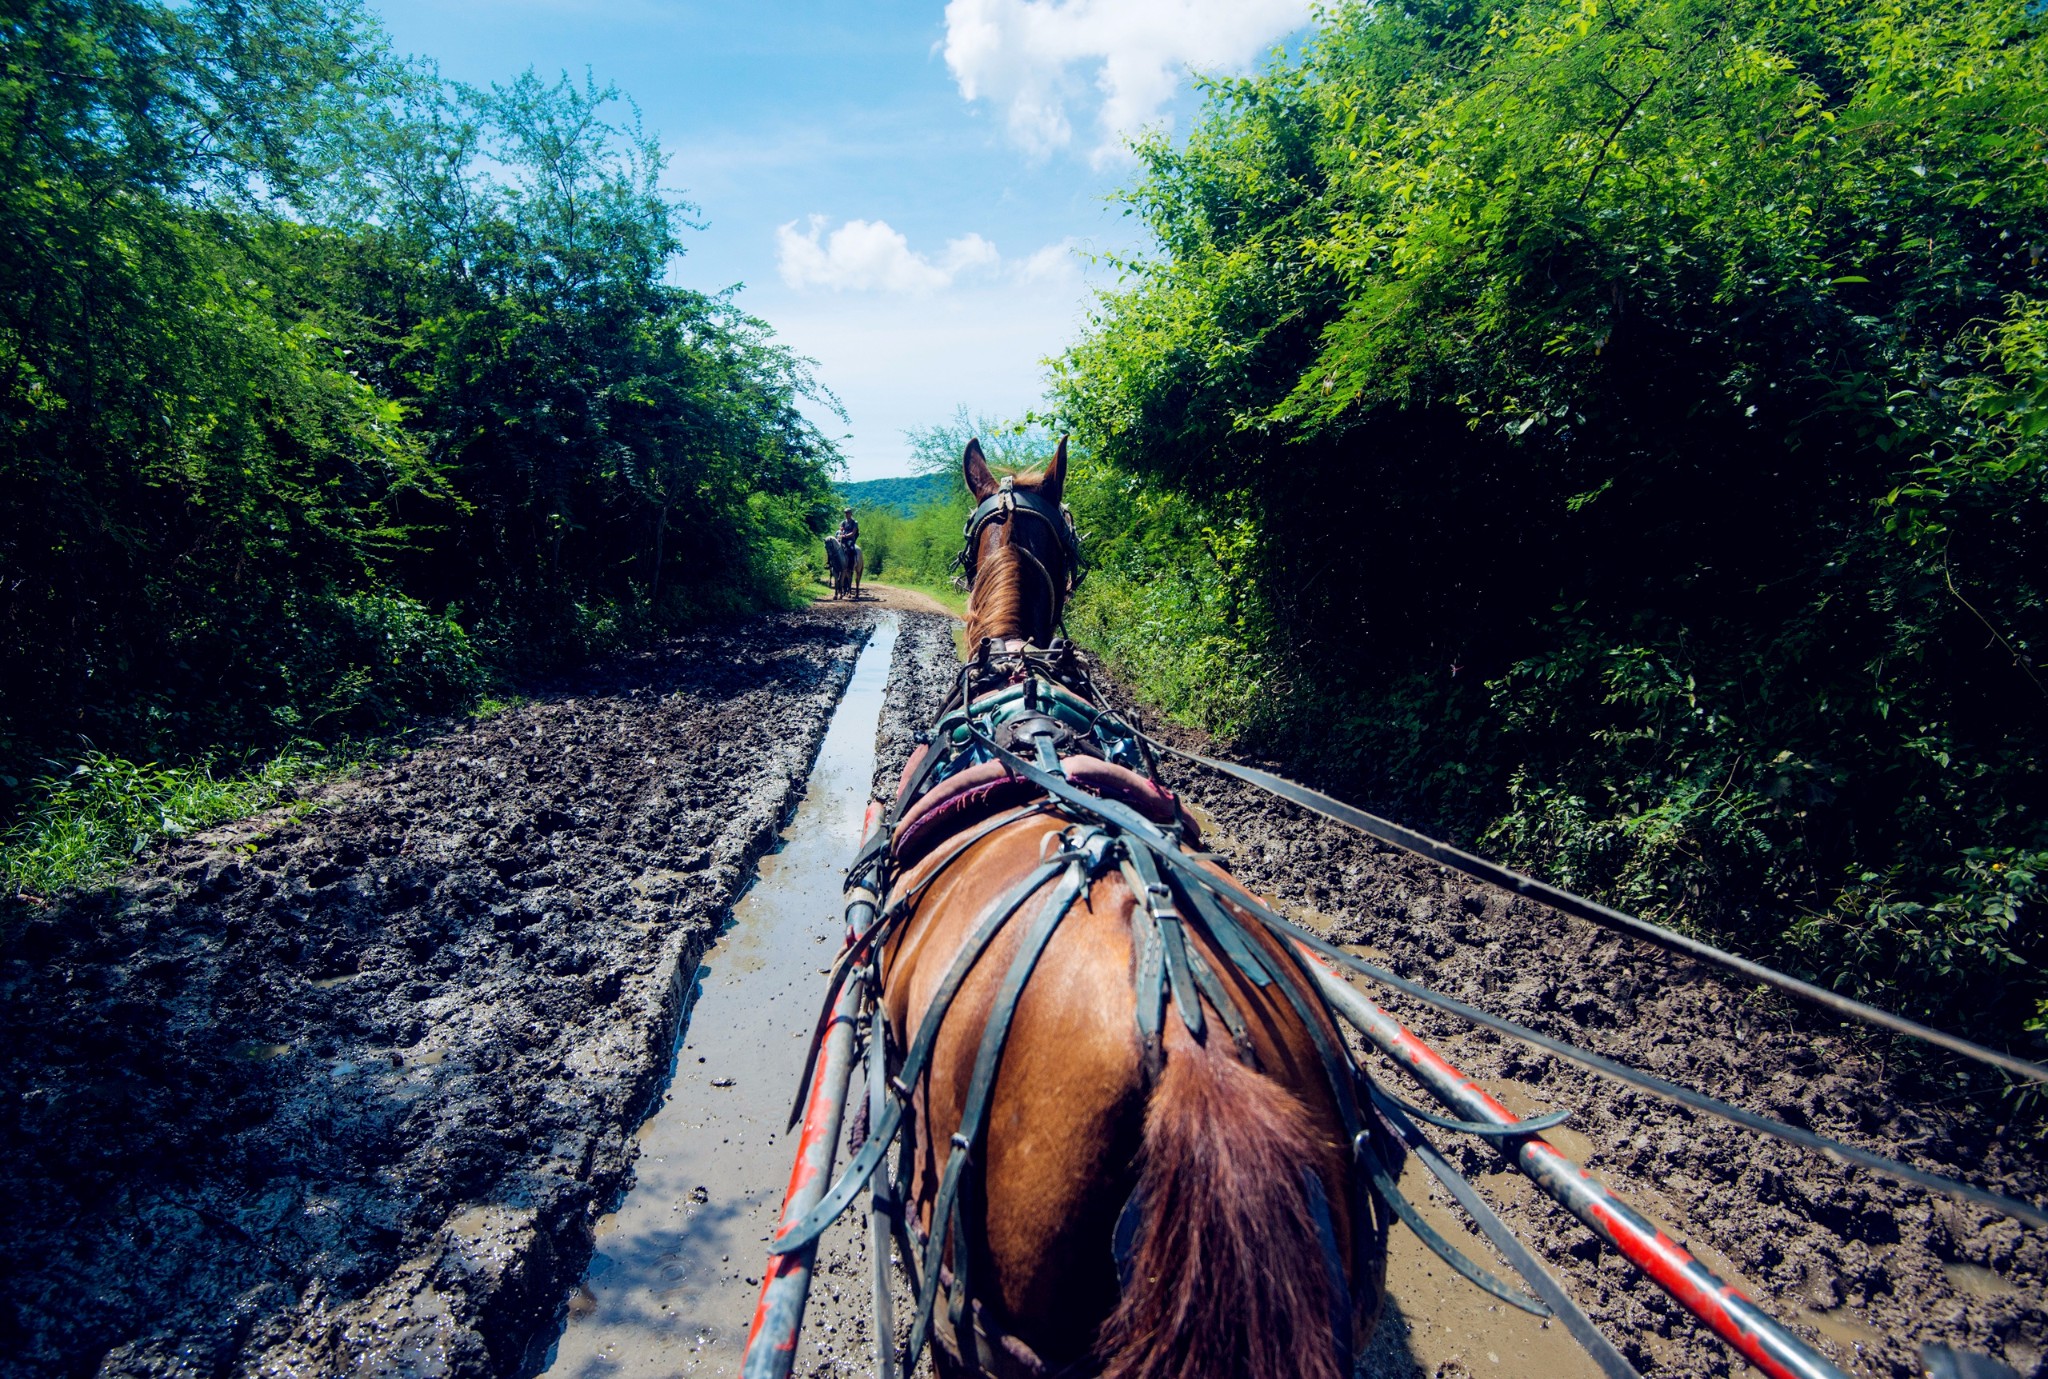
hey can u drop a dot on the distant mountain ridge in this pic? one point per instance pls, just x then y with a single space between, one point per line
901 496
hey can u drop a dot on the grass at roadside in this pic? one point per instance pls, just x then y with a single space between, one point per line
97 814
86 824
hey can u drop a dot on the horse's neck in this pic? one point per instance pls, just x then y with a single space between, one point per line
1006 631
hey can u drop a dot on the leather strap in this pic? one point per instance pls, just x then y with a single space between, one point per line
1148 976
841 1193
1611 1361
1383 1183
1157 898
980 1088
883 1207
1495 874
1211 987
1333 1269
878 932
1531 1126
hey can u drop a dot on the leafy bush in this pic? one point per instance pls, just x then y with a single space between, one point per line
366 662
298 343
1634 417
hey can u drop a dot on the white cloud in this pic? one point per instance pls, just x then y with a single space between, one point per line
1057 262
1022 55
872 255
898 362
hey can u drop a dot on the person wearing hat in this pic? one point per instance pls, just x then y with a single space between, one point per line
849 530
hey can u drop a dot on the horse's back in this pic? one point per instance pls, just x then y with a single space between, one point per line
1068 1118
1067 1111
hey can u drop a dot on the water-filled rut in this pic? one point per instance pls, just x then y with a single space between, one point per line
672 1285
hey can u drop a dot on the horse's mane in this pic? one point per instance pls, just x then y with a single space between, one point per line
995 606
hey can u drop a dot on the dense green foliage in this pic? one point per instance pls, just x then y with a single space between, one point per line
1615 431
326 386
916 548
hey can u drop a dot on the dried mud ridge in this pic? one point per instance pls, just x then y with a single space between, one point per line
348 1102
341 1090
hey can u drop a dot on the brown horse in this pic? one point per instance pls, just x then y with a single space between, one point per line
1230 1272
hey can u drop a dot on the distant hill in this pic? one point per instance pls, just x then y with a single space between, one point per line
904 496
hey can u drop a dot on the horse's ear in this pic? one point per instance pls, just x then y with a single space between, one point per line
1055 481
980 482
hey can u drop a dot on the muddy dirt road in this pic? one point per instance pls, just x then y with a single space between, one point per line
343 1089
358 1088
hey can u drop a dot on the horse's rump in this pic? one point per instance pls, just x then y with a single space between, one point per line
1075 1117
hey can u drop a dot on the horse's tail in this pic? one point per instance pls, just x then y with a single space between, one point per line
1229 1279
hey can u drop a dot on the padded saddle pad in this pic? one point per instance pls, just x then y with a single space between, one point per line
963 800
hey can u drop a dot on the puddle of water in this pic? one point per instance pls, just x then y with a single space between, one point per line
1448 1322
1843 1328
1976 1281
671 1288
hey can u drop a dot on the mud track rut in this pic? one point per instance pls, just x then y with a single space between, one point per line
341 1090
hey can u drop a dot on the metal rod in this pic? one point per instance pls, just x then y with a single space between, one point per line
1733 1317
882 1204
786 1281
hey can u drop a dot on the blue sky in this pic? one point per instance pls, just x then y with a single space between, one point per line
907 191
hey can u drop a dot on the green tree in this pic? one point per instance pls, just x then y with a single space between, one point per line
324 382
1612 430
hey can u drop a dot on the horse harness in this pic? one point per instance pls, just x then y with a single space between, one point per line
1008 504
1023 734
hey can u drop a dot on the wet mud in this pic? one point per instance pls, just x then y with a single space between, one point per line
673 1285
362 1087
1865 1268
343 1089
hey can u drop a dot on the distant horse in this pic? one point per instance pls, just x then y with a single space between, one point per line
1130 1200
848 563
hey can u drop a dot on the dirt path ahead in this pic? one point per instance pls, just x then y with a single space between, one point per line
341 1091
877 595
